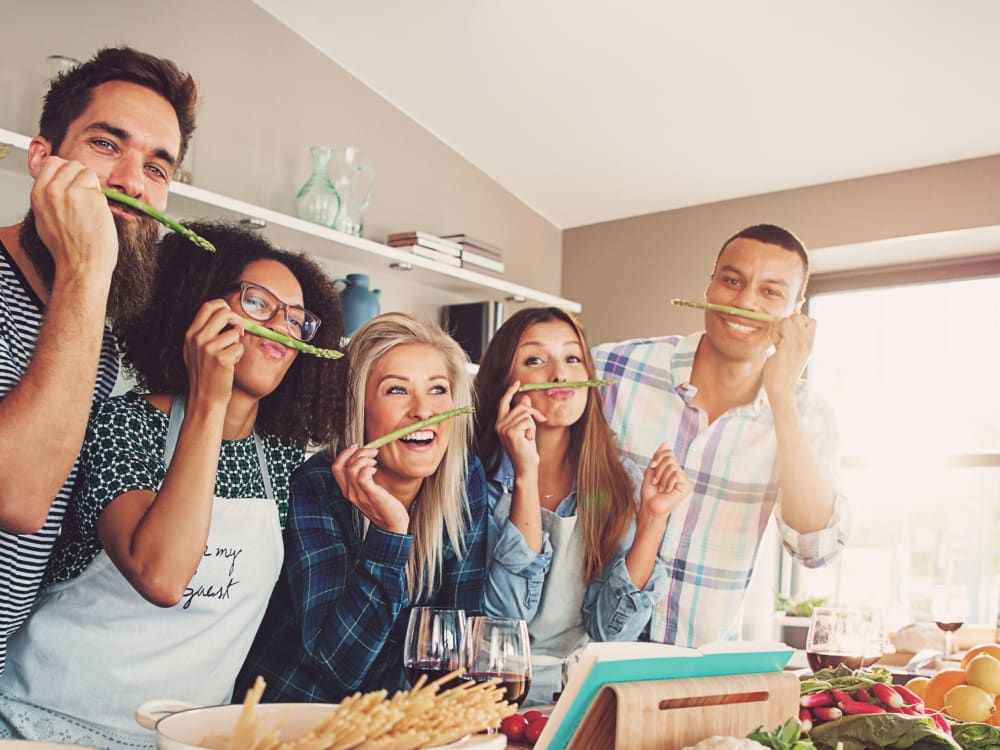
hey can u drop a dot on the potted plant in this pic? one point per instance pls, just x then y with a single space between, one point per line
793 616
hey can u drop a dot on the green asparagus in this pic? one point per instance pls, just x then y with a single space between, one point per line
568 384
410 428
161 217
266 333
737 311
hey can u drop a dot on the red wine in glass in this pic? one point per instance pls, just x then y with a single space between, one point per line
949 627
433 670
516 686
828 660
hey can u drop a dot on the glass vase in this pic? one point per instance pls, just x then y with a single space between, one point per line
355 182
318 201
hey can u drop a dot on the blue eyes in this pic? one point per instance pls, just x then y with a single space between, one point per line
111 147
399 390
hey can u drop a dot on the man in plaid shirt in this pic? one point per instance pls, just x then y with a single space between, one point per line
750 434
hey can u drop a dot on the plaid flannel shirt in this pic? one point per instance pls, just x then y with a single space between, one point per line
711 541
337 619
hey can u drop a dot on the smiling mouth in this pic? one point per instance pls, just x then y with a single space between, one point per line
739 326
421 437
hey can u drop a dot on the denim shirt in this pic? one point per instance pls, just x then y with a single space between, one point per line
519 579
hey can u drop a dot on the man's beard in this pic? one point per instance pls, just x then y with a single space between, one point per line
132 279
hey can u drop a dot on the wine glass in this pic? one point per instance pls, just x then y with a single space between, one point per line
948 608
852 636
498 648
433 646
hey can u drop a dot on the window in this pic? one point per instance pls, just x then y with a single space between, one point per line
912 372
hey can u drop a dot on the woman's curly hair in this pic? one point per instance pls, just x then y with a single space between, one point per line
308 405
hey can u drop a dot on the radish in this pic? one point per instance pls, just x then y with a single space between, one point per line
826 713
816 699
857 707
887 695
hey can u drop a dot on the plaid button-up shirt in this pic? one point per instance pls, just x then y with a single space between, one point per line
337 620
711 541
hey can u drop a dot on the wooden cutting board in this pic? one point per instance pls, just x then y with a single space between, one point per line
673 714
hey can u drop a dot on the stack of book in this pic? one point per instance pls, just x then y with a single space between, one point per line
427 245
478 254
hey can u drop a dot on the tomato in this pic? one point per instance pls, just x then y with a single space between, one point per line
514 727
534 730
532 715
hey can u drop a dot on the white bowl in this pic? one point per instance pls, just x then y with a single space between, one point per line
180 726
33 745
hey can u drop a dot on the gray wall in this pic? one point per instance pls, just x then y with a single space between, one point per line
266 97
626 272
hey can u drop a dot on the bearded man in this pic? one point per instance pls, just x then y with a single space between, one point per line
75 268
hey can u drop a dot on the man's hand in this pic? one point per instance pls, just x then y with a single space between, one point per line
74 221
793 342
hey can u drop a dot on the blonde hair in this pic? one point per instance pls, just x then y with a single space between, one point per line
441 505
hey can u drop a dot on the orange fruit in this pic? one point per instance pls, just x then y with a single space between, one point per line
993 649
995 718
940 684
918 685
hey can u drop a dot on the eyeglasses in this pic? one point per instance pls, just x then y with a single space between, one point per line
262 305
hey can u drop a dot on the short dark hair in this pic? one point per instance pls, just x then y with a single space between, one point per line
308 405
72 90
772 234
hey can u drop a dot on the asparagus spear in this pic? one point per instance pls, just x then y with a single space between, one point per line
738 312
410 428
161 217
569 384
266 333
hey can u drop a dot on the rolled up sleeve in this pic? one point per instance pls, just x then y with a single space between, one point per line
818 548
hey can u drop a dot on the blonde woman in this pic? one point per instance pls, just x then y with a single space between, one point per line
372 533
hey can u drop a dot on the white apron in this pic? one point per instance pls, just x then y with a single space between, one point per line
95 649
557 628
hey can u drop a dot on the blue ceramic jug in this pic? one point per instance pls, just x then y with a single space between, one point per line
359 302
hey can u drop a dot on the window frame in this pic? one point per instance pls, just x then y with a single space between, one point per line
788 573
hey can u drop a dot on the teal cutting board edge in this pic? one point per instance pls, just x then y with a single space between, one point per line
667 668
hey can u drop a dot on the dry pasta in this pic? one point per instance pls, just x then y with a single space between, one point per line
424 716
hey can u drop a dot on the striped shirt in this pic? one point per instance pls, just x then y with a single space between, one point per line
711 541
23 557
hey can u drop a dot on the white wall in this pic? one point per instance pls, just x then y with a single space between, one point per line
266 97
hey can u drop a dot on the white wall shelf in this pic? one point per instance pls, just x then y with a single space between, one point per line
423 289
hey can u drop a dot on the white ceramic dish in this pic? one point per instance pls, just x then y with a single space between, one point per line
32 745
179 726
